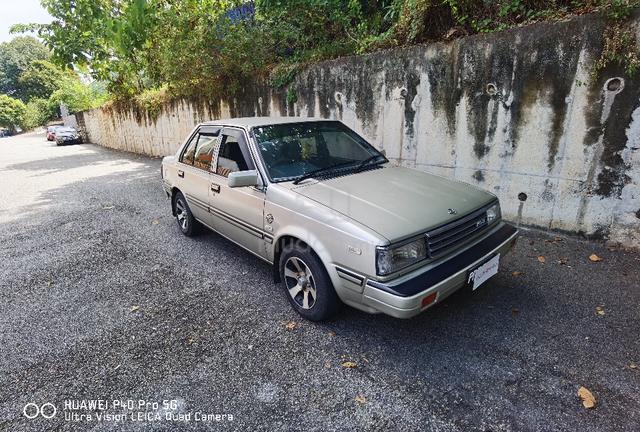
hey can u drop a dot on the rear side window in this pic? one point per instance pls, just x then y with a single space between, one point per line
199 151
204 151
190 151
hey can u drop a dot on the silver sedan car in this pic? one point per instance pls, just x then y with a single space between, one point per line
337 221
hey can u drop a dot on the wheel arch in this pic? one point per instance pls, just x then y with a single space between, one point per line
174 192
314 245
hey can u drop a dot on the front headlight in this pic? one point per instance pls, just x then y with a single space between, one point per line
493 213
393 258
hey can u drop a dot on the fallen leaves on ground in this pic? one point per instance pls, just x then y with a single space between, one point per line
588 399
349 365
633 366
600 310
327 365
134 308
331 334
555 240
290 325
191 339
516 273
360 399
108 207
563 261
515 311
541 259
155 222
594 258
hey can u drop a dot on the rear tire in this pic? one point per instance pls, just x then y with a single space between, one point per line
186 222
307 284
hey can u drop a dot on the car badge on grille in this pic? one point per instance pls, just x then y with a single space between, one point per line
452 211
481 222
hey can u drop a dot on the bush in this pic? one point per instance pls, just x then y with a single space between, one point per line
12 112
38 112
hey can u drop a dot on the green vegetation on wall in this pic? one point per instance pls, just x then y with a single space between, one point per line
147 51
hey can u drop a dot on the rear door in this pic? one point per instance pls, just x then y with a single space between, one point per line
194 171
238 212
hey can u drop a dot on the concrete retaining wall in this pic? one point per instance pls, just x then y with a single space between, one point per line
519 113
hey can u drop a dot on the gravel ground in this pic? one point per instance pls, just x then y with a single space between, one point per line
103 298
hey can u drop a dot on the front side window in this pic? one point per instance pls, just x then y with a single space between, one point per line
293 150
233 154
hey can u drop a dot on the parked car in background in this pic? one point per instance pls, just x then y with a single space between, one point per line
67 135
334 218
51 132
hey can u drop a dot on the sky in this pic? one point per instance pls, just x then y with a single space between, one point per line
20 11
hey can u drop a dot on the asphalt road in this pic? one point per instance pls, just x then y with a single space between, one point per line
102 298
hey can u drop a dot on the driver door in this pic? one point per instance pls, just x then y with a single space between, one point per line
238 212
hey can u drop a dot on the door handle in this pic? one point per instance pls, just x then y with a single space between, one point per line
180 173
215 187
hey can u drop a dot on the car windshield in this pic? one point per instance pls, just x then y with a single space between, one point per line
66 130
293 150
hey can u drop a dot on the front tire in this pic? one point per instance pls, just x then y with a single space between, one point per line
186 222
307 284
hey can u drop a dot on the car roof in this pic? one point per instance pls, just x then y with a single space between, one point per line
248 122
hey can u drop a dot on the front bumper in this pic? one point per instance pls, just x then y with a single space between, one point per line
402 297
63 141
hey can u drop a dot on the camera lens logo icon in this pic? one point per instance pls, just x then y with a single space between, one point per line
46 410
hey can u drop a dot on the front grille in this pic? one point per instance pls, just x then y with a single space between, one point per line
449 236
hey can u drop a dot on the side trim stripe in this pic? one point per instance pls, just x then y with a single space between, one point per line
235 221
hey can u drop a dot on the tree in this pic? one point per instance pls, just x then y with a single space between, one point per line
15 57
77 96
40 79
12 112
108 36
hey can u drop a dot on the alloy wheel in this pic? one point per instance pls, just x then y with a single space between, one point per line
181 214
300 282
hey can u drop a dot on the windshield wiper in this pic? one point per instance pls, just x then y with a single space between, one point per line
320 171
366 162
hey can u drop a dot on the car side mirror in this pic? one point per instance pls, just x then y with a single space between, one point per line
243 178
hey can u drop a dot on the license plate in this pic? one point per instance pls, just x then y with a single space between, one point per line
484 272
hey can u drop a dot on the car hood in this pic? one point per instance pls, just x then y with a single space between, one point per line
396 202
66 134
